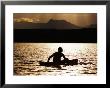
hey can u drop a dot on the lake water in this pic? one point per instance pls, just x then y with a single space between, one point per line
28 55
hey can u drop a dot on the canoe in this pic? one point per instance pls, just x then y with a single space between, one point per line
70 62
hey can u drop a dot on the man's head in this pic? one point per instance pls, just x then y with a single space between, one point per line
60 49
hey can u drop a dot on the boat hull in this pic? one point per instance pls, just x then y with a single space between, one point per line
69 62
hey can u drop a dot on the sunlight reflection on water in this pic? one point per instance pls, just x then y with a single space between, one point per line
27 56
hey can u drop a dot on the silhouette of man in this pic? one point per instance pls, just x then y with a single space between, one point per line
57 56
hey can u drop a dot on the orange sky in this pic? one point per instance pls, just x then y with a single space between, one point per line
79 19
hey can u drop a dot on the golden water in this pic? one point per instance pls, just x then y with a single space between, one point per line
28 55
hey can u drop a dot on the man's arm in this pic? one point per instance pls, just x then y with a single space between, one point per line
50 57
65 57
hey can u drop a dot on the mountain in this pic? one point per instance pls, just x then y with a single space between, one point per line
60 24
94 26
28 25
51 24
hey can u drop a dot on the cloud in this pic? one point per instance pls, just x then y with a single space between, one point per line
24 20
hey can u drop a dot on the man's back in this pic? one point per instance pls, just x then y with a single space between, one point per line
57 57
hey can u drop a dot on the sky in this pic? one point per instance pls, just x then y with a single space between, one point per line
79 19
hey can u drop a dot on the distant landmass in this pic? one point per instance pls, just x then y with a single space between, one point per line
93 26
47 32
51 24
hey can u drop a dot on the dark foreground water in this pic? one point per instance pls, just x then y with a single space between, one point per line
28 55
